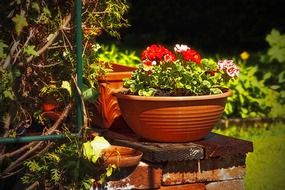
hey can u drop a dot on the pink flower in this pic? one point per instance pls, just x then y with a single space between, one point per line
223 64
229 67
232 71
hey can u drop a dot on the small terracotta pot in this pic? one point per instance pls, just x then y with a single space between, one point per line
121 156
48 108
172 119
49 105
52 115
107 112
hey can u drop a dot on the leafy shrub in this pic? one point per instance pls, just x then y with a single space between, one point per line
259 90
68 165
251 97
111 53
273 63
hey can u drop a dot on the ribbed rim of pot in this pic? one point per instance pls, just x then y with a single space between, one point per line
116 76
173 98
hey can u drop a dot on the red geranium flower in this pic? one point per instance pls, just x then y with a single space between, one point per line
191 55
157 53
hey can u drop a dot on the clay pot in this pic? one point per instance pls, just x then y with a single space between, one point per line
107 112
121 156
49 107
172 119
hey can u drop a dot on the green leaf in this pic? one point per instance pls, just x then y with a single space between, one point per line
87 183
20 22
9 94
66 85
267 76
281 77
206 83
36 7
88 150
2 47
90 94
56 175
275 38
30 50
277 53
146 92
215 91
92 149
47 12
109 171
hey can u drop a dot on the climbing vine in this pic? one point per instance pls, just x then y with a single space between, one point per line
37 59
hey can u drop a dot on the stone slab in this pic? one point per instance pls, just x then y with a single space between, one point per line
214 145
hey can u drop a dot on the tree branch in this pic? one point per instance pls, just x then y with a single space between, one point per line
33 146
53 37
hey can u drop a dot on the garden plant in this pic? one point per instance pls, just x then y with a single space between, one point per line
37 62
37 72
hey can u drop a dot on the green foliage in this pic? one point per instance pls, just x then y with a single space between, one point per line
38 41
253 132
98 64
92 71
177 78
92 149
259 90
30 50
273 64
109 16
6 91
114 55
277 46
69 165
251 97
20 22
264 166
3 46
61 93
57 168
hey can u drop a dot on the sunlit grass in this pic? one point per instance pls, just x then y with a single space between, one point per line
265 167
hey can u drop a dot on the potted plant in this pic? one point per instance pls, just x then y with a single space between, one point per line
107 113
175 97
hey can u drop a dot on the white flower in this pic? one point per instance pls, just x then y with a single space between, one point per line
180 48
153 63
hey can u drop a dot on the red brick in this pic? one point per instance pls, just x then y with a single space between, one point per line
194 186
144 176
226 185
204 176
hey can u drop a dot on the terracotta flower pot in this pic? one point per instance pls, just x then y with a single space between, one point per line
107 113
172 119
121 156
49 107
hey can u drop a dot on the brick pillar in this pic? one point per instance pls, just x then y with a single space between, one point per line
214 163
